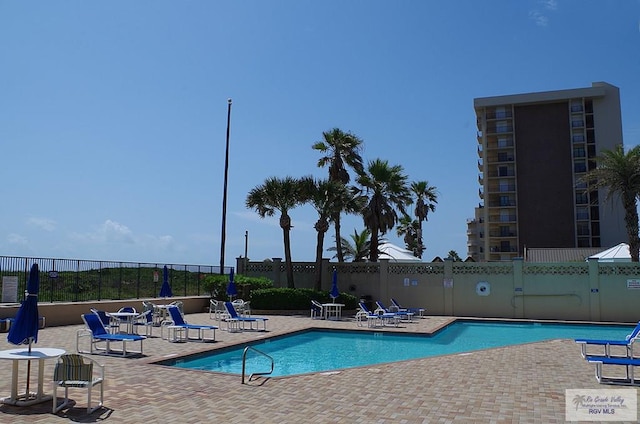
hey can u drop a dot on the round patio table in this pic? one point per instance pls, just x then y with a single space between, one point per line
17 355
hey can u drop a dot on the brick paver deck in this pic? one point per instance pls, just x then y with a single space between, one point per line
518 384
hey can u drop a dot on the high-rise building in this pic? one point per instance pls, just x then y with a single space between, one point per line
534 150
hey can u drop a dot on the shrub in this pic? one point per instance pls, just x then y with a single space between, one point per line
216 285
295 299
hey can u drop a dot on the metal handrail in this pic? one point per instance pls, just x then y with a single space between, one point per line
244 358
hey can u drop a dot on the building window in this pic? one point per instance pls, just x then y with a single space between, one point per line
582 213
583 228
580 166
502 127
577 123
578 138
582 199
576 106
579 152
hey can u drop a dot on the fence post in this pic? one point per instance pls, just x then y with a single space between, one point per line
518 288
448 287
594 289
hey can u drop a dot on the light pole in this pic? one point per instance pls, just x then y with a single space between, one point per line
224 192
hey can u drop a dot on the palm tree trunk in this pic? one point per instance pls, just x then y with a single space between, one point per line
319 248
631 223
336 222
287 258
373 253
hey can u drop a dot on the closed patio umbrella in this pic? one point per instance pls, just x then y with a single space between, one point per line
334 293
232 290
24 329
165 290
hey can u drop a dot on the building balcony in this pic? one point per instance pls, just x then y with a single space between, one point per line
502 234
500 159
500 249
499 129
502 218
501 188
502 203
502 173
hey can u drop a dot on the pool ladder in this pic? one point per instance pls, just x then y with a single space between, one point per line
244 359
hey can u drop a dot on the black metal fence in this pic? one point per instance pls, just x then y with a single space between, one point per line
77 280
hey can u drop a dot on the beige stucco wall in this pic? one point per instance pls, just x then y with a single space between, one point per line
68 313
581 291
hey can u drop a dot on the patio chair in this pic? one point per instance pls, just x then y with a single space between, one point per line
217 311
145 320
402 314
73 370
177 320
317 311
111 324
98 333
377 318
395 307
627 343
237 322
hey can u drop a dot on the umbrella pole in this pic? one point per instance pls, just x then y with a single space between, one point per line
26 393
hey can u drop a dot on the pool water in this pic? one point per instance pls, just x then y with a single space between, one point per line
320 350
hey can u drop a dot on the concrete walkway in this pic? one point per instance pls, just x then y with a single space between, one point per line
519 384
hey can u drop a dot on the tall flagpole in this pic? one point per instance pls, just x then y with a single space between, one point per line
224 192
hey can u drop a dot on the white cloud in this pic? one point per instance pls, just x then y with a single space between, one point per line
42 223
109 231
539 18
17 239
550 4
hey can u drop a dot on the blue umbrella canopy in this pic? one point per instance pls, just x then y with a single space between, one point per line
334 286
24 329
232 290
165 290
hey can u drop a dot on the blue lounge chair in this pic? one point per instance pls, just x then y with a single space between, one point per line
402 314
98 333
396 305
378 317
606 344
628 363
177 320
234 321
111 324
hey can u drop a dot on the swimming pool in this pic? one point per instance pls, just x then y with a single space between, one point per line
327 350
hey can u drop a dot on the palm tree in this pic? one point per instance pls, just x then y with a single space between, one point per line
325 196
454 256
386 190
426 198
339 149
619 173
278 194
358 251
409 229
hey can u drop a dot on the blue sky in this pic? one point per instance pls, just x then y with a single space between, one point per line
113 113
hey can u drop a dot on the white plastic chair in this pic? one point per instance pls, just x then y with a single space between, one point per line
74 370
